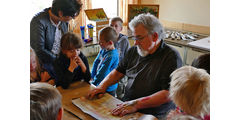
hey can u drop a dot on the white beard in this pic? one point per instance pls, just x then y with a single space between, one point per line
142 52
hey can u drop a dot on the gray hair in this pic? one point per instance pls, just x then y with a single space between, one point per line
150 22
45 101
190 90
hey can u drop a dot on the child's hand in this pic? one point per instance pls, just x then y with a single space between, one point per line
172 113
44 76
73 64
81 64
79 61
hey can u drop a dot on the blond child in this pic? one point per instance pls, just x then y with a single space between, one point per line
189 90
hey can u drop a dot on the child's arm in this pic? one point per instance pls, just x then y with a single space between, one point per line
85 72
95 65
64 76
104 69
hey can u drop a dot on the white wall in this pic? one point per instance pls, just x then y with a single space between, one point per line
195 12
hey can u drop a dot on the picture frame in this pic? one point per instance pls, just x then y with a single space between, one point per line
136 9
96 14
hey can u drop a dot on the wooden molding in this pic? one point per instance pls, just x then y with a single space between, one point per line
186 27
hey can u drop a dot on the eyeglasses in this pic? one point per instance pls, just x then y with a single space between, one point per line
138 38
74 15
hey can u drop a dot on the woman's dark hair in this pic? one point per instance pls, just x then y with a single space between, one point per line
70 41
68 7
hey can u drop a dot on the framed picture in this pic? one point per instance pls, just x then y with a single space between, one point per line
96 14
136 9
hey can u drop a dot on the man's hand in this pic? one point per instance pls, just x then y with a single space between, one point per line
98 91
125 108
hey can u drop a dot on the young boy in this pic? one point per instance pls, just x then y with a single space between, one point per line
45 102
122 45
107 58
71 65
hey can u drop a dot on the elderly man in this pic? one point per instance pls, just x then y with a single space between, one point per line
148 66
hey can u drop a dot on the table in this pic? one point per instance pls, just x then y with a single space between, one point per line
78 89
75 90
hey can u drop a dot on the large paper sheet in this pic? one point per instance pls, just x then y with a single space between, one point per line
100 108
202 43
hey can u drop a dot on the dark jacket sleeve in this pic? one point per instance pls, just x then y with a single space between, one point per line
64 76
87 75
38 40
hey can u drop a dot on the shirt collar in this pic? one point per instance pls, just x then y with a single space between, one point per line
56 25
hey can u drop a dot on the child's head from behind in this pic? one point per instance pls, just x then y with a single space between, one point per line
45 102
107 37
116 23
71 44
203 62
190 90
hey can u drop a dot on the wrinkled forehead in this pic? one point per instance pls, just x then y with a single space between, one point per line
139 30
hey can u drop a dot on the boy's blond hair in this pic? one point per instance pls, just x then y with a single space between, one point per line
189 89
109 34
114 19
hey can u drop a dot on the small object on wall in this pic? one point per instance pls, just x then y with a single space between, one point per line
96 14
136 9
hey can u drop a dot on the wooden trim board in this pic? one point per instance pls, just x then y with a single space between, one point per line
186 27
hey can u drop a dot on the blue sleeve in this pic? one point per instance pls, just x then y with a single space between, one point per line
95 65
104 69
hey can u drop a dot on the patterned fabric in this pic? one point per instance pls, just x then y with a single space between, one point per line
58 35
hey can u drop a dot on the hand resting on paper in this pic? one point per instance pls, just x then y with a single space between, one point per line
125 108
98 92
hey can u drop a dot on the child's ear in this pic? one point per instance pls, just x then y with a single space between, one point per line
111 42
60 114
121 28
155 37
